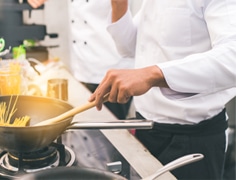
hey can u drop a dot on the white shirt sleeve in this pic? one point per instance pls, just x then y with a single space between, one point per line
214 70
124 34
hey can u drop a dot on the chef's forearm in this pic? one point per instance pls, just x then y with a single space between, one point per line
119 7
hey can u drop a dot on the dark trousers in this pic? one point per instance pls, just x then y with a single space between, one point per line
169 142
119 110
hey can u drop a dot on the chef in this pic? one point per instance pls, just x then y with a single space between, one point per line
185 54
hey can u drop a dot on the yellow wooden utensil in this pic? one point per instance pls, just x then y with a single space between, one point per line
71 112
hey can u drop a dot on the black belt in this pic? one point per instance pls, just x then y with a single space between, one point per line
214 125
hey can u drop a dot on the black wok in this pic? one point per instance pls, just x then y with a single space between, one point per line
33 138
28 139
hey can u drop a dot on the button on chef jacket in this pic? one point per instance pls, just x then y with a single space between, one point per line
93 51
194 44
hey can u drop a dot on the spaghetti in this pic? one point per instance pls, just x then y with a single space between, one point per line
7 112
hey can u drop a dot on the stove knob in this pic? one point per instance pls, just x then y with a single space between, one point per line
114 167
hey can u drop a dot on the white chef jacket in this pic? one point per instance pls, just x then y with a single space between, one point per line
93 51
194 44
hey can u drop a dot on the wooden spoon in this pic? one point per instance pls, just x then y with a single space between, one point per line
71 112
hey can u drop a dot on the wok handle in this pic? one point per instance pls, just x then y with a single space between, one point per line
71 112
117 124
175 164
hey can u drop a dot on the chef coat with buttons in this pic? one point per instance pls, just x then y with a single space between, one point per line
194 44
93 51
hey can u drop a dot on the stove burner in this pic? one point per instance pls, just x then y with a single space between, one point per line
38 159
13 165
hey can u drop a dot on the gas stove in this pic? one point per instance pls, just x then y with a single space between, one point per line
16 164
83 148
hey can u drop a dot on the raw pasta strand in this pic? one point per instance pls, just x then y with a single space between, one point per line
7 112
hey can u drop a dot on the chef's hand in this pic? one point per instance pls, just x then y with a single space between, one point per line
36 3
122 84
119 7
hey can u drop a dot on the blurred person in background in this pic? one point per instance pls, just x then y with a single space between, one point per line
185 59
